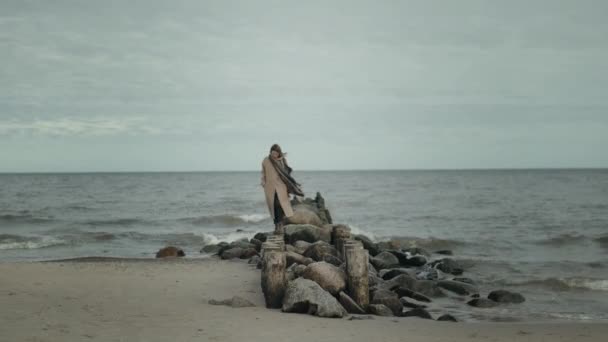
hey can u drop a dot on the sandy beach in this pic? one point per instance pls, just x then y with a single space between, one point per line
167 300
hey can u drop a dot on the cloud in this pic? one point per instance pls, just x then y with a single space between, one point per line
68 126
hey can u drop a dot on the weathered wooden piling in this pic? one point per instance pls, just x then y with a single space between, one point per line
340 234
274 279
356 258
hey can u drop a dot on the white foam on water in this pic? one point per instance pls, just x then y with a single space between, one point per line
36 243
254 218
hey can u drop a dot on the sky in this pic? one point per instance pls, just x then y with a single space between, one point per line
210 85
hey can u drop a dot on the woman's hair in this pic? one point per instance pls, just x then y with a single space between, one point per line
277 148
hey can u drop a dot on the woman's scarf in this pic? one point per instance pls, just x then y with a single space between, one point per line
284 172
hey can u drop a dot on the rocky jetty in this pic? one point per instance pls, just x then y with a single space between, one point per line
319 268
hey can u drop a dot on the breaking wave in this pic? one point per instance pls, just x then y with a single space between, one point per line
566 284
226 220
8 241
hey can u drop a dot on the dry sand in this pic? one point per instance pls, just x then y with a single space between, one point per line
154 300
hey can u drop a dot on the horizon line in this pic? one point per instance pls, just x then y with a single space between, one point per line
313 170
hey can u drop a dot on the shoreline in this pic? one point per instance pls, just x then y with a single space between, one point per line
114 299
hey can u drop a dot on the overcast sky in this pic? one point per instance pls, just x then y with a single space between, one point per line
210 85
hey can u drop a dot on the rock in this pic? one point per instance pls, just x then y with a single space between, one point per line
385 260
242 243
427 272
412 303
302 214
373 280
232 253
388 298
235 302
403 280
254 260
211 249
448 266
298 270
349 304
262 236
447 318
389 245
257 243
290 273
415 261
419 312
389 274
295 258
444 252
319 249
170 252
363 318
380 310
330 259
368 244
482 303
331 278
457 287
405 292
290 248
306 296
301 246
428 288
248 253
306 232
504 296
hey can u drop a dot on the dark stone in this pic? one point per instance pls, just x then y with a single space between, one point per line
388 298
306 296
295 258
415 261
392 273
428 288
405 292
403 280
482 303
349 304
368 244
262 236
385 260
169 252
504 296
444 252
419 312
257 243
254 260
306 232
411 303
402 257
457 287
380 310
211 249
332 260
447 318
449 266
232 253
319 249
248 253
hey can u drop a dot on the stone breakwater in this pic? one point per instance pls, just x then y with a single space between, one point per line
321 268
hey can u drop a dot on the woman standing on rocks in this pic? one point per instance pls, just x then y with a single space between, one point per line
278 184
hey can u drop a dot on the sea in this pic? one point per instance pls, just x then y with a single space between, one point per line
542 233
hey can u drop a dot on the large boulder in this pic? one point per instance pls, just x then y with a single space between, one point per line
504 296
380 310
368 244
300 246
448 265
331 278
170 252
349 304
262 236
211 249
295 258
483 303
418 312
385 260
388 298
306 232
428 288
306 296
388 274
232 253
303 214
405 292
319 249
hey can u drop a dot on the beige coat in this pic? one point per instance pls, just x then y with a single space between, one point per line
271 183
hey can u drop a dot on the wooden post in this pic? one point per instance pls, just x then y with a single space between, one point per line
339 235
274 279
357 272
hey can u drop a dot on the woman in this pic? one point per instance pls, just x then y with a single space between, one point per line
278 184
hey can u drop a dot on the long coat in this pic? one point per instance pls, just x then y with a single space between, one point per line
272 183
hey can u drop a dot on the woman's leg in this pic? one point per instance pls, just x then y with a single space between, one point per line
279 215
